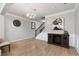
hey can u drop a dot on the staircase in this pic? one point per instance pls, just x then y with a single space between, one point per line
40 29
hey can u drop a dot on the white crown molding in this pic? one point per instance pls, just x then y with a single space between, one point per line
13 15
72 10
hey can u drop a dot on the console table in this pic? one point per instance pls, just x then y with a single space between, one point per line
59 39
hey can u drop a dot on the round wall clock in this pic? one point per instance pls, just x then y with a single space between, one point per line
17 23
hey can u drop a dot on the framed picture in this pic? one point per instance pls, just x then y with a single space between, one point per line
59 23
33 25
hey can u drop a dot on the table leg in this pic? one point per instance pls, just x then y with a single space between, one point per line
9 47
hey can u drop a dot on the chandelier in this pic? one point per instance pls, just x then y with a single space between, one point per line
31 15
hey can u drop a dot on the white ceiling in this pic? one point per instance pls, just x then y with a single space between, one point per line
42 9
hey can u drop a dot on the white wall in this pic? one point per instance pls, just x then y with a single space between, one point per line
77 21
1 26
69 21
17 33
77 28
69 25
2 22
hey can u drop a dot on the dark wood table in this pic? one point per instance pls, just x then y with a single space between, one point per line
59 39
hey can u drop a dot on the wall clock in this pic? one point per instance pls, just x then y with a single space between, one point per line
17 23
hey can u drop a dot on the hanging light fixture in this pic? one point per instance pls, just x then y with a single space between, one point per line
31 15
34 14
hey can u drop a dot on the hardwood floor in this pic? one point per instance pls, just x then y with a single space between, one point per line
33 47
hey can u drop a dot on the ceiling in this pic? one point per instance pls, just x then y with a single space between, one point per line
41 9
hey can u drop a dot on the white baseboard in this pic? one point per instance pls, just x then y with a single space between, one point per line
20 39
77 43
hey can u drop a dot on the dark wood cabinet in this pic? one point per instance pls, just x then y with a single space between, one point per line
50 38
59 39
